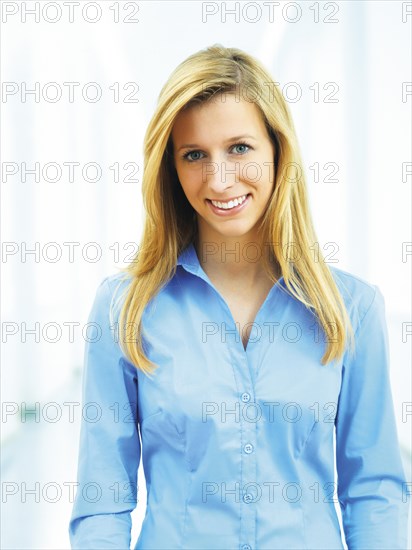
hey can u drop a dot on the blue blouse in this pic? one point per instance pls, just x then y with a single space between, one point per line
238 446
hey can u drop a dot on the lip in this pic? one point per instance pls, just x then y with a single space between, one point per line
232 211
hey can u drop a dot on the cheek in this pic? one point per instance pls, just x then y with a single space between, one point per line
189 185
259 173
190 180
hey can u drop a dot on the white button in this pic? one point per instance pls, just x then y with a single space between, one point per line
245 397
248 448
246 547
247 498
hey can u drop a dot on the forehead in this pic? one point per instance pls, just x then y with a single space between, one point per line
223 112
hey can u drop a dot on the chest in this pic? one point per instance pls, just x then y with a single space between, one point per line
244 306
211 358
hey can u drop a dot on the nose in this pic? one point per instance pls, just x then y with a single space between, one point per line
220 175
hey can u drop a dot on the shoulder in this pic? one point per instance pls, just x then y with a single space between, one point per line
116 281
358 294
111 291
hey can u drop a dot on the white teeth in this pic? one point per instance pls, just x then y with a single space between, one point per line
230 204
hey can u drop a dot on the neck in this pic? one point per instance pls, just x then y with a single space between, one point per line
233 258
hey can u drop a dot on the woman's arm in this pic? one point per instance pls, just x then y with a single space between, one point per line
371 479
109 452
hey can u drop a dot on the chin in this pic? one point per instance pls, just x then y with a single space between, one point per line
234 233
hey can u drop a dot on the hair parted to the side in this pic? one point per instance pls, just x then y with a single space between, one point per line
170 223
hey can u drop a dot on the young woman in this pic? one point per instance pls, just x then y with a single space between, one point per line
247 364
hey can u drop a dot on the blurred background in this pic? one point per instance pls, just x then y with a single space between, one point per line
80 82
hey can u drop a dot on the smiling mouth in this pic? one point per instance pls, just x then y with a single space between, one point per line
228 205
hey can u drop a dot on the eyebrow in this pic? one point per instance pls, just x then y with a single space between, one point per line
234 138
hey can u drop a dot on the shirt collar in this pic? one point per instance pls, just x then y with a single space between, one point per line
190 262
188 257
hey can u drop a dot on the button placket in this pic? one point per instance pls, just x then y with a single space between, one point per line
244 379
247 445
249 481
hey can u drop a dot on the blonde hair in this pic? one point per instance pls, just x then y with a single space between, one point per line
170 223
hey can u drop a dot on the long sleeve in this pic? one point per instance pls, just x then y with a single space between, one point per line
110 450
371 478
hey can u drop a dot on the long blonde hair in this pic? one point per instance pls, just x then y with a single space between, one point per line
170 223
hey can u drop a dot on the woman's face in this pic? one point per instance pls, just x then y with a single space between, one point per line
222 152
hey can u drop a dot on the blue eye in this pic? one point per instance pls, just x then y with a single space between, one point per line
242 145
189 158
